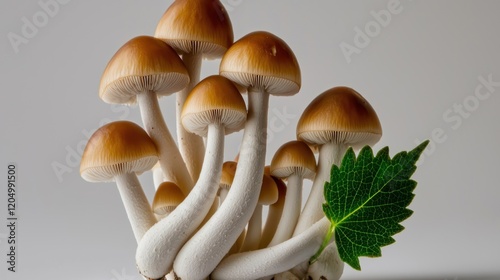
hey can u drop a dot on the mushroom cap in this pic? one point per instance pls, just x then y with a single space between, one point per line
142 64
339 115
196 26
262 60
294 157
214 100
228 171
167 197
268 192
117 148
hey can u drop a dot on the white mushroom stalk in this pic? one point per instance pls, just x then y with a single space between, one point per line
136 204
291 210
157 250
158 176
171 162
201 254
191 146
214 108
275 259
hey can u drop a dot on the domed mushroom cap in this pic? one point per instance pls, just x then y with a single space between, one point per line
339 115
167 197
261 59
196 26
214 100
228 171
269 191
293 157
143 64
117 148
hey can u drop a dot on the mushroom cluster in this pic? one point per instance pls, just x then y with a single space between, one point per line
206 220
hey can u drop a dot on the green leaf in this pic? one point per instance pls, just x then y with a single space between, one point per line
367 198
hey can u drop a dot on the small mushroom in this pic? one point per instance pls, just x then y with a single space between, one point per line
167 197
265 65
140 71
274 214
213 108
226 180
117 152
293 161
195 29
268 195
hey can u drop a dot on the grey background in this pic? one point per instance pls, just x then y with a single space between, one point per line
425 62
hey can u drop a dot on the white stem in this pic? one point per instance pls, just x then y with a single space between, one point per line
273 260
191 145
291 210
158 177
136 204
201 254
222 194
173 167
159 246
329 154
254 231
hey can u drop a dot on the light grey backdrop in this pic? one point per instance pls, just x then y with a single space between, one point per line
430 69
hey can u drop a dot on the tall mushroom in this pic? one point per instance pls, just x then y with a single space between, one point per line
116 152
265 65
293 161
195 29
143 69
213 108
337 118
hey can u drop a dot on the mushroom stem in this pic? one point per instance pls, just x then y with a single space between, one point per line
291 210
173 167
136 204
254 231
157 250
191 146
276 259
158 177
274 214
201 254
222 195
329 154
